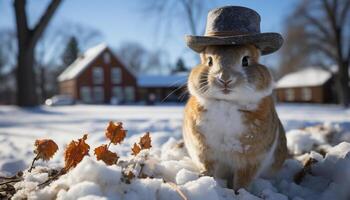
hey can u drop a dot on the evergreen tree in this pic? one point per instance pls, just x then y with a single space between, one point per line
180 66
70 52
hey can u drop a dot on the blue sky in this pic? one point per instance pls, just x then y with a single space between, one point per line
121 21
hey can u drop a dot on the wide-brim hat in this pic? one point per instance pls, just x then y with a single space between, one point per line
235 25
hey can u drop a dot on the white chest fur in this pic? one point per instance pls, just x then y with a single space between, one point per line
222 125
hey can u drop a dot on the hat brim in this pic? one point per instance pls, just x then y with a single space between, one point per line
266 42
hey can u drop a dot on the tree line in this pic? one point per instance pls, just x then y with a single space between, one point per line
316 33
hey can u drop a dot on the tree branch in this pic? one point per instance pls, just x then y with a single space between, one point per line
330 14
335 7
44 20
189 6
343 13
336 28
318 25
327 51
319 37
21 20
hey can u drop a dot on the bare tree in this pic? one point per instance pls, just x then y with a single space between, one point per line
157 62
8 48
140 60
133 56
187 14
190 11
27 39
295 53
49 58
7 62
326 33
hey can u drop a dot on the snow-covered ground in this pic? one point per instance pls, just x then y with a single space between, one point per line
20 127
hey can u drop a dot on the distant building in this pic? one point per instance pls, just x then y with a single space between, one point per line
98 76
313 85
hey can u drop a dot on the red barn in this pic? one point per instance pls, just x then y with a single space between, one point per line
98 76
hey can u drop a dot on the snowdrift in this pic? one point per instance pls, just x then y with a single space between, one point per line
319 168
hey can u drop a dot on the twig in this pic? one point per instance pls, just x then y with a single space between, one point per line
9 178
48 181
13 178
141 174
32 165
110 143
177 189
11 181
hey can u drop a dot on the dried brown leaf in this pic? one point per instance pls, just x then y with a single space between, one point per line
145 141
135 149
102 153
298 177
45 149
115 132
75 152
129 175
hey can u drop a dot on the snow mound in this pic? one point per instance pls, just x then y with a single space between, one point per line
319 137
168 173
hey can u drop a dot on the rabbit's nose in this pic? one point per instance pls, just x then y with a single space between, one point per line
224 78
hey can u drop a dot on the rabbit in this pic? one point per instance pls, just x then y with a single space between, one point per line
231 129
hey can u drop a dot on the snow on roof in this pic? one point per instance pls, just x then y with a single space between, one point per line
307 77
83 61
175 80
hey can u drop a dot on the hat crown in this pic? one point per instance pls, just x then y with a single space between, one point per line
232 20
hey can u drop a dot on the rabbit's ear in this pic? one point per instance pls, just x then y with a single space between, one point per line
203 56
254 52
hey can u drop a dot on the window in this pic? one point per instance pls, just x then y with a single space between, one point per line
116 75
117 94
306 94
98 94
85 94
97 75
106 58
129 93
289 94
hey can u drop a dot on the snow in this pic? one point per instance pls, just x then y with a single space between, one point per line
83 61
312 130
308 77
174 80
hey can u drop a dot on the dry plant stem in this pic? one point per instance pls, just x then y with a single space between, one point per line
177 189
11 181
140 172
110 143
114 135
9 178
48 181
32 166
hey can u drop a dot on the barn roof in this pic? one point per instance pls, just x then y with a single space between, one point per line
83 61
305 78
174 80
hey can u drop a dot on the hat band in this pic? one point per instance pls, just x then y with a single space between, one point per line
227 33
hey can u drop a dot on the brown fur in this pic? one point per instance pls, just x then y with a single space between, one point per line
262 123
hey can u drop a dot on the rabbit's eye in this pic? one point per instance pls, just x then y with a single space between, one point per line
210 61
245 61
